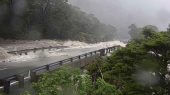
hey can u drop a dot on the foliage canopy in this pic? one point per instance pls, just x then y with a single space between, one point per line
50 19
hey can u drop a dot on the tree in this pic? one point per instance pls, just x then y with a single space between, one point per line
66 81
135 32
148 33
51 19
168 29
152 28
141 33
141 67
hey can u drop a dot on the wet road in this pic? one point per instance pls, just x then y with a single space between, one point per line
12 68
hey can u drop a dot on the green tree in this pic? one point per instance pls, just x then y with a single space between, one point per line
141 33
141 67
67 81
51 19
135 32
168 29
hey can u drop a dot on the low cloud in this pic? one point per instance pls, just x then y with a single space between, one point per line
122 13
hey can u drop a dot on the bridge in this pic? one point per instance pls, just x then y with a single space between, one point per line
32 74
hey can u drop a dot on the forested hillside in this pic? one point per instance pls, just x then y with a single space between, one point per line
50 19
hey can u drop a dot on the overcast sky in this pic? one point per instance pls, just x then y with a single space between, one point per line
122 13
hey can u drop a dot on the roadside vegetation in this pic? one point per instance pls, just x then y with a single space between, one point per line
138 69
69 81
1 93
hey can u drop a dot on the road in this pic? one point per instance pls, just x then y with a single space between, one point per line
30 61
12 68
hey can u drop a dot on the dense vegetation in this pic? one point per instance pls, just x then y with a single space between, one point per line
141 68
67 81
136 33
50 19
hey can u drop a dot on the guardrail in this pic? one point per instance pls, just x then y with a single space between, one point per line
20 52
6 83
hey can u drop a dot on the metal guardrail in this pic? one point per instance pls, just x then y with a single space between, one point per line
5 83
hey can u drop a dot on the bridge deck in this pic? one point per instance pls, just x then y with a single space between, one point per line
13 72
12 68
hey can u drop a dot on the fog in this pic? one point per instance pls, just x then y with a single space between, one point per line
122 13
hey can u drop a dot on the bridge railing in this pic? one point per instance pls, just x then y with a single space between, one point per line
32 74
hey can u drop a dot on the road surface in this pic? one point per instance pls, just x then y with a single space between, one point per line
26 62
12 68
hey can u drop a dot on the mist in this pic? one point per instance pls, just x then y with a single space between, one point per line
122 13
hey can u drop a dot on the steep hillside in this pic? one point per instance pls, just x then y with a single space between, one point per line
50 19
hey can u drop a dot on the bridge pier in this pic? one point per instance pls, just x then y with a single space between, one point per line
102 52
26 53
71 59
86 55
60 63
33 76
6 84
47 67
20 79
91 53
79 57
84 60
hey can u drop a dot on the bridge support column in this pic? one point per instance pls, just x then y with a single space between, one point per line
26 53
33 76
71 59
20 78
61 63
6 84
79 57
91 53
47 67
102 52
107 51
86 55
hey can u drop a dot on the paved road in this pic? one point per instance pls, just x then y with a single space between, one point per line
12 68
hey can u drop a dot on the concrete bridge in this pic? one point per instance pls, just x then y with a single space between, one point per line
31 75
